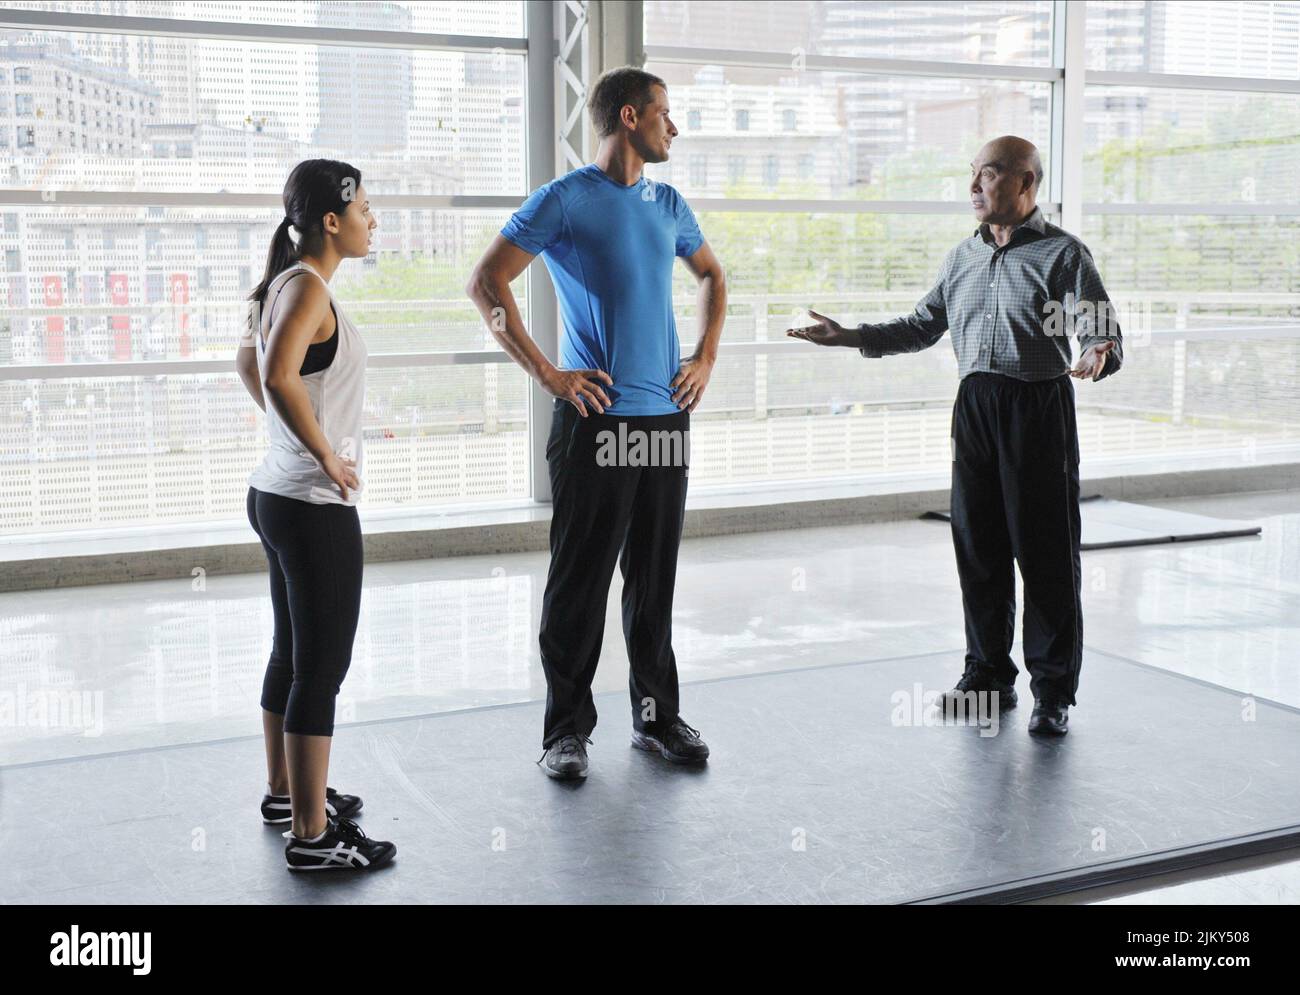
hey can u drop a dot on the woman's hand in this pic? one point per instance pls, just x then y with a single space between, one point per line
343 472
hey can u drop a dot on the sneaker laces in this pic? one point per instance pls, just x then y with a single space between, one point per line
579 744
688 733
975 679
348 830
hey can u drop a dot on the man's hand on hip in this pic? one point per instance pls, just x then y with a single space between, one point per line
580 388
688 386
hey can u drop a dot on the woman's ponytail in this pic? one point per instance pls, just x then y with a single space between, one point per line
282 254
315 187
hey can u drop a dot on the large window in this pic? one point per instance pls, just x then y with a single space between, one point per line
825 147
849 183
1017 33
122 296
482 17
1191 155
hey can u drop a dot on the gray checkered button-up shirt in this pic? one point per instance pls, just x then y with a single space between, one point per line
1012 308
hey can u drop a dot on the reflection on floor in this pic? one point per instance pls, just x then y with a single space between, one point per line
124 667
827 784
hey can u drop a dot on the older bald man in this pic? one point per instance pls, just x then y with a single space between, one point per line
1011 295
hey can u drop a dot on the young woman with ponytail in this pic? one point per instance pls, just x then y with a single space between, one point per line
303 362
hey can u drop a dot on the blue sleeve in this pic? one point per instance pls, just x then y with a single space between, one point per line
689 238
539 222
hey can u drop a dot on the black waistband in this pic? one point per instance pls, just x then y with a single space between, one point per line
678 420
986 377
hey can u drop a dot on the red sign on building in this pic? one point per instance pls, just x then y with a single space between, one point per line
119 295
180 284
54 344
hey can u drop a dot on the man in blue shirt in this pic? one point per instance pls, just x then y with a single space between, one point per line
619 442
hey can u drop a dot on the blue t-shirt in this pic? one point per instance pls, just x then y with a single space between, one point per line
610 250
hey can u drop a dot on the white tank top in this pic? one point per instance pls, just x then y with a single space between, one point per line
337 398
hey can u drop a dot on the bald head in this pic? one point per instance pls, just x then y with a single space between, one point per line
1005 176
1014 155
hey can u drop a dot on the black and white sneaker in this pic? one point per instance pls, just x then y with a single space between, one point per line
343 846
276 810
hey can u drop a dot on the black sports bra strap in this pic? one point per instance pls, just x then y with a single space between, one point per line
271 314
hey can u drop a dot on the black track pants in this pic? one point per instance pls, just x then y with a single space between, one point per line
597 512
1015 496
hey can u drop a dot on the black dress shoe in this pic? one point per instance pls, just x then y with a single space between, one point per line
678 742
979 681
566 758
1050 717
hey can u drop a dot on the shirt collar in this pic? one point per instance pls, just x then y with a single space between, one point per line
1034 222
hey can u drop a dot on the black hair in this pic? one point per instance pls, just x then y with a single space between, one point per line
315 188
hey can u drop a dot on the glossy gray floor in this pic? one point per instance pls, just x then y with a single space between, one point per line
180 662
829 784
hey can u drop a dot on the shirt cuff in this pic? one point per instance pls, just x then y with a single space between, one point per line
690 248
864 346
1113 362
522 241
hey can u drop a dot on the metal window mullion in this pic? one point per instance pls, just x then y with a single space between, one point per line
1157 209
1069 55
837 206
289 34
574 66
192 367
543 308
1183 81
850 64
189 367
19 197
620 27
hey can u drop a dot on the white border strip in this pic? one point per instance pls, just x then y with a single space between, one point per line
1179 81
480 357
180 198
959 70
1176 210
291 34
468 202
11 197
842 206
847 64
182 367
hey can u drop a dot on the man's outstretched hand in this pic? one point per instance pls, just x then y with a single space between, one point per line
1093 361
827 331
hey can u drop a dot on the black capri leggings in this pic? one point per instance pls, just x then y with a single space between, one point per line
315 557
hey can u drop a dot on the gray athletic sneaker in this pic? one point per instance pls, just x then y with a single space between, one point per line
566 758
